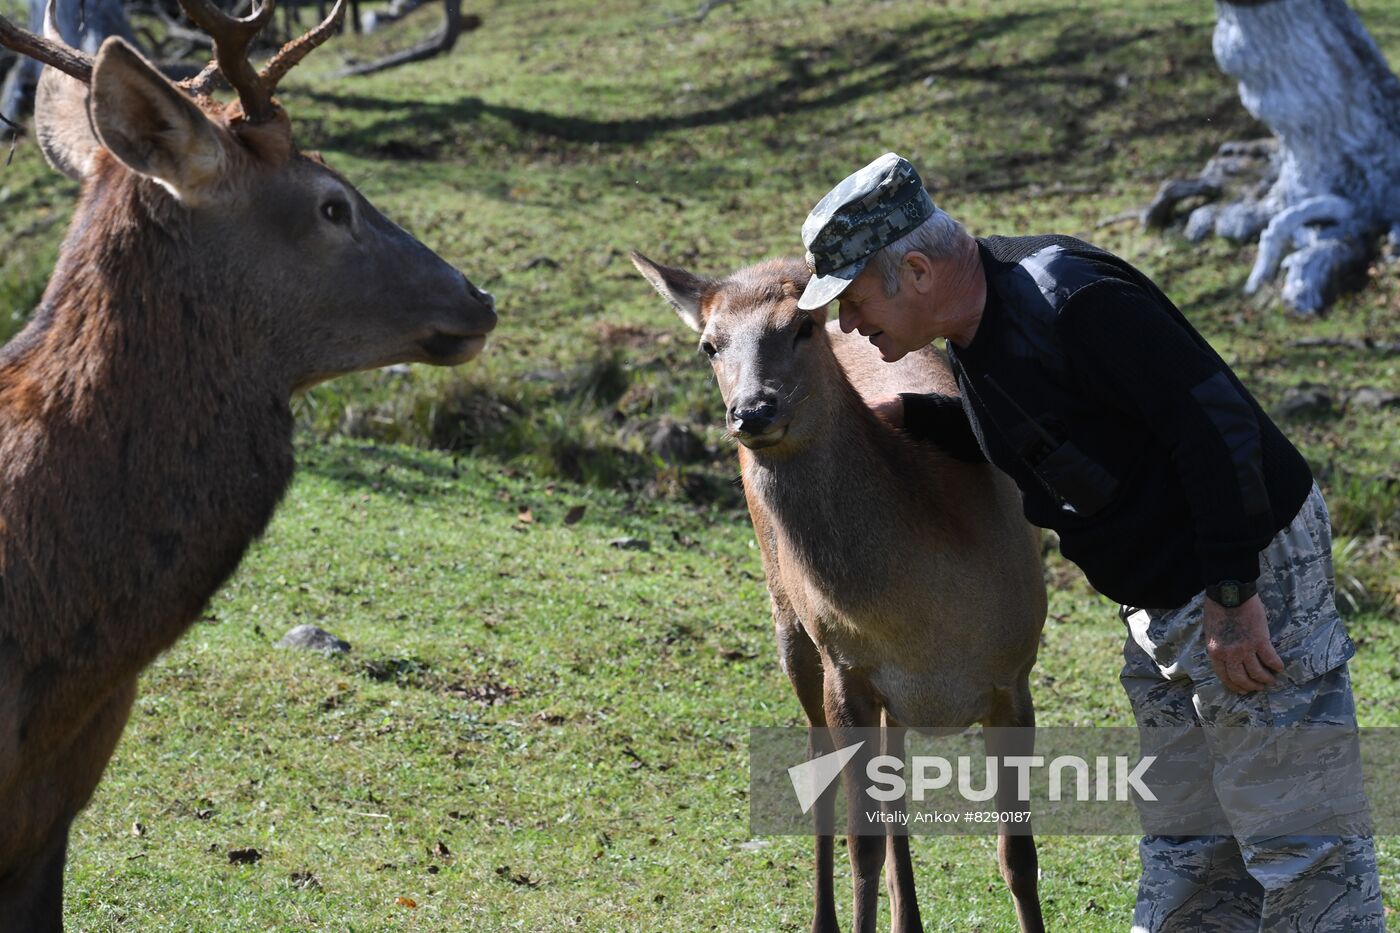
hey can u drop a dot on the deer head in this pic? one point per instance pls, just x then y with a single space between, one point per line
322 282
771 360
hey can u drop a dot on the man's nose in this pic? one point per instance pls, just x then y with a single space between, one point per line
848 319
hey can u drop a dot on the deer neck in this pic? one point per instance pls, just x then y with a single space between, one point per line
138 444
845 500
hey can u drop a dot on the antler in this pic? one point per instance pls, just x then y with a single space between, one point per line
293 52
232 37
50 51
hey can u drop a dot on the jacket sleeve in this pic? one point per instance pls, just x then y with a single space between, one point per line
1131 352
942 421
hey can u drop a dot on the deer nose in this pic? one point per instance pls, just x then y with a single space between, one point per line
485 302
482 295
752 420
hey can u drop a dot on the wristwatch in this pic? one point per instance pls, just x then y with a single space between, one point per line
1231 594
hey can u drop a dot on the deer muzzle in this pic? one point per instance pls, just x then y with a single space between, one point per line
464 337
757 423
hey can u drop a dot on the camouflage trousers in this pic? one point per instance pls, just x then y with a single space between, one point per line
1271 856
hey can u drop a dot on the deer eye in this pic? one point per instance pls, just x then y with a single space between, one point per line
708 349
337 211
805 330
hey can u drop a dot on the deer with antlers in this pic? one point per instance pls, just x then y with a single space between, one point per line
210 271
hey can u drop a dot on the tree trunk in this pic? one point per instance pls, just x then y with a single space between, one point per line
1309 70
83 24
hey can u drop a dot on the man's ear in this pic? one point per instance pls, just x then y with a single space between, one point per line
152 126
917 270
681 289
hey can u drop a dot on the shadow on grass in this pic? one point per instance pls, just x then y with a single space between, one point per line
367 465
1065 87
901 63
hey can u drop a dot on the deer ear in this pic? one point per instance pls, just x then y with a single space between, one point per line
152 126
681 289
60 115
61 123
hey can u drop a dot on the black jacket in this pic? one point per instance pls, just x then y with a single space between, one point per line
1126 433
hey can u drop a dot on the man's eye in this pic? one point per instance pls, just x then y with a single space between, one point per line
805 330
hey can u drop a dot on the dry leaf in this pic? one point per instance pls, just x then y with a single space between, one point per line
305 880
519 878
525 517
574 514
408 902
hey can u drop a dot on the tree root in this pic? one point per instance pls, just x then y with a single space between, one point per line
1317 273
1282 230
1159 213
1319 242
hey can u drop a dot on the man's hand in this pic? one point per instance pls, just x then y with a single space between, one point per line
1237 641
890 409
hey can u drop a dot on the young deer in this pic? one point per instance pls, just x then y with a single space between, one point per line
210 271
906 587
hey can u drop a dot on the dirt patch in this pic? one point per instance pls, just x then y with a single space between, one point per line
490 693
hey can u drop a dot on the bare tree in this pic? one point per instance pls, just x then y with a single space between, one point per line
1321 194
82 25
454 24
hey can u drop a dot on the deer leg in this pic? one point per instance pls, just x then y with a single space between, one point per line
852 707
803 665
33 901
899 866
1013 734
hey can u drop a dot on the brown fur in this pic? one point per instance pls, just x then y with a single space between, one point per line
906 586
145 439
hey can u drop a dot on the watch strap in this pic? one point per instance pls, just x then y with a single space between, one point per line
1231 593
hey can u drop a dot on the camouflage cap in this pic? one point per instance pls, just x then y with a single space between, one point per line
869 210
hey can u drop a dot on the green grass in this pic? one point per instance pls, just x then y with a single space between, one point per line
606 789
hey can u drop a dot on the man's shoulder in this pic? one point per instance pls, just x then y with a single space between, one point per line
1073 256
1047 273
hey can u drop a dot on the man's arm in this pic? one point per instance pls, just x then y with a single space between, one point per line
934 419
1137 358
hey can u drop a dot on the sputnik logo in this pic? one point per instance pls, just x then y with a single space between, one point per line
811 778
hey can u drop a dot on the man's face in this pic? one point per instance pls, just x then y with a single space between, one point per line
892 323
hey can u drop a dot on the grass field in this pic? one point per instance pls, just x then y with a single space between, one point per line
536 730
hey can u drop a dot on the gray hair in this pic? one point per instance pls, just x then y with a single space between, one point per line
937 238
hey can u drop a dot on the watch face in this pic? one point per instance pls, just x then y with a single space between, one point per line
1229 595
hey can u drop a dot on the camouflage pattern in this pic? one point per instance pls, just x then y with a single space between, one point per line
1201 884
1281 868
869 210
